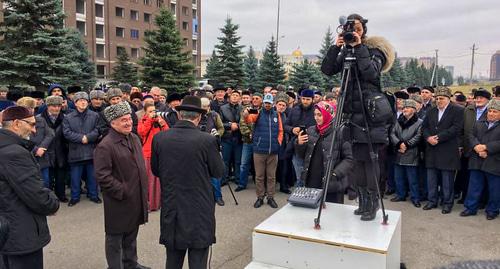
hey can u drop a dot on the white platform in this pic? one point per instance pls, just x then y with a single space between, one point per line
288 239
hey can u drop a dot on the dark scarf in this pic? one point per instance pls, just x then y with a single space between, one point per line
405 124
57 123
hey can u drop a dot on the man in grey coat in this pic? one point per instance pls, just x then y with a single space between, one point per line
185 159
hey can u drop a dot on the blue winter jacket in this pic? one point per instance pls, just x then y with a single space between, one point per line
265 133
75 126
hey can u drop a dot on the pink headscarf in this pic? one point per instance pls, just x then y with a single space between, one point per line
327 109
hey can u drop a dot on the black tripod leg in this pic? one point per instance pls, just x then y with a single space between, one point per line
232 193
373 155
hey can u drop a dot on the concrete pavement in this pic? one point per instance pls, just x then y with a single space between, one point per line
429 239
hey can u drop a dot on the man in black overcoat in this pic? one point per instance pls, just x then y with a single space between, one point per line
442 130
185 159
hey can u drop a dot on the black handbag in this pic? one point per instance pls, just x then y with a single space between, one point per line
378 108
4 231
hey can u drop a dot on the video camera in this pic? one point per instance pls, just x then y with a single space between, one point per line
347 28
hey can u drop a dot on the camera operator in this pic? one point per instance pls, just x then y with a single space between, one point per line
211 123
374 55
149 126
314 146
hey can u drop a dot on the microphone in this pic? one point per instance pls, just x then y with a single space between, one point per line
342 20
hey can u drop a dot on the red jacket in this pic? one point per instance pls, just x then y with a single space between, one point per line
146 132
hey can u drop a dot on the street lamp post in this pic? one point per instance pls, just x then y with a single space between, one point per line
278 27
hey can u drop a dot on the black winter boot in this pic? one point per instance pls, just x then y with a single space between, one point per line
362 201
372 207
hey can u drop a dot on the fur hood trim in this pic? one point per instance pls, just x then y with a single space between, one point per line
380 43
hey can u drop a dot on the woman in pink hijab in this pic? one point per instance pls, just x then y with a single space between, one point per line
314 146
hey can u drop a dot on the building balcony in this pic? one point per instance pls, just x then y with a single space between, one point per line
100 40
195 6
195 52
99 2
99 20
195 36
173 1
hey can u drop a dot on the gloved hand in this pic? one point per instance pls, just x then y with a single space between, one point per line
214 132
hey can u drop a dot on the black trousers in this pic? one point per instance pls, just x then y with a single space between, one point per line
58 176
32 260
197 258
363 170
121 250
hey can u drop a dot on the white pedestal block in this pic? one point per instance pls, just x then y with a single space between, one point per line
288 239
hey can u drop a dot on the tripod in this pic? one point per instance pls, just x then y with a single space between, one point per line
339 122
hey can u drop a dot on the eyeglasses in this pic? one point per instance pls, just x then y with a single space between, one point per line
32 124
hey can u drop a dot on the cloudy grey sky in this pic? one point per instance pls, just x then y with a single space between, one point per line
415 28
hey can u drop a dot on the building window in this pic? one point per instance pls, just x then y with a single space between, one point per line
186 42
120 50
194 2
195 60
120 32
195 14
195 44
173 9
147 18
99 31
120 12
101 71
159 3
99 51
134 53
99 11
185 25
185 11
80 6
134 34
147 2
82 27
134 15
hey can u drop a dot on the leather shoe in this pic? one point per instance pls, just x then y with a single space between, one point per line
63 200
141 267
96 200
416 204
287 191
491 216
258 203
239 188
220 202
390 192
467 213
429 206
398 199
446 210
73 202
272 203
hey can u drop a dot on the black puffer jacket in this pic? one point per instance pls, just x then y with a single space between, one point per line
341 148
408 132
23 199
374 56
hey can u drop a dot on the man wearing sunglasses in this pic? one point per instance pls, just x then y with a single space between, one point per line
25 202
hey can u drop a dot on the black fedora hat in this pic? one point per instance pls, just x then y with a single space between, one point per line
191 103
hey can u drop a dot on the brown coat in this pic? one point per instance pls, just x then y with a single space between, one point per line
121 173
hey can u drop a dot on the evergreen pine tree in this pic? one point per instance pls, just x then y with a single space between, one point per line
329 81
397 75
35 49
251 69
124 71
306 74
164 63
411 69
271 71
230 56
85 73
213 67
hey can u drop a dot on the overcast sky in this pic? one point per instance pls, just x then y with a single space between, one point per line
415 28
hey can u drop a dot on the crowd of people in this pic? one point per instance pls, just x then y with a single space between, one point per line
440 148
